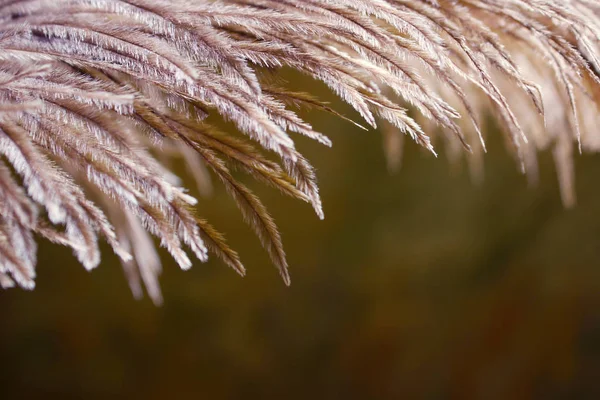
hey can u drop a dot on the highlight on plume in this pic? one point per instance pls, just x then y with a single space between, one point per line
95 96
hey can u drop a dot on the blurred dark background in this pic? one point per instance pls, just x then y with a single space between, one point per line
418 285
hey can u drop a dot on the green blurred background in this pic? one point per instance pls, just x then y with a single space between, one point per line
418 285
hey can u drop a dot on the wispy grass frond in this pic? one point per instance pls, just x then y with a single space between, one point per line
94 94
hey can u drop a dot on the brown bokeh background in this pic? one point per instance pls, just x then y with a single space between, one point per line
419 285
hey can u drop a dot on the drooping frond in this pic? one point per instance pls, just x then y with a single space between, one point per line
96 93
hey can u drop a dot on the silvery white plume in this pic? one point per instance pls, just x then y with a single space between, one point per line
95 92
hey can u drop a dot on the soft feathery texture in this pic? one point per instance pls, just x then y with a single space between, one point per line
95 94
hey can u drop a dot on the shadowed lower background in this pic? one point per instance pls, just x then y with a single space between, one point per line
416 285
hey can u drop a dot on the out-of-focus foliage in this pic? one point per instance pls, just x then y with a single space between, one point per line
420 285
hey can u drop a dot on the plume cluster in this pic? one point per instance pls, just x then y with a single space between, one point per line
96 94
